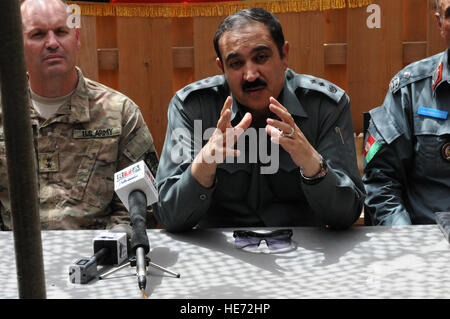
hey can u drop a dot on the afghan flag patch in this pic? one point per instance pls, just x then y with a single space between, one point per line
371 148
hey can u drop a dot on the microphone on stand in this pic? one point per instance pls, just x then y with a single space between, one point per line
136 188
110 248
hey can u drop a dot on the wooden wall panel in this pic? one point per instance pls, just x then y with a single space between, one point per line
87 57
149 59
374 57
145 69
335 37
183 38
204 53
106 40
305 34
414 17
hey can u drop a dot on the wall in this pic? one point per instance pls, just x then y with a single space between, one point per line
149 59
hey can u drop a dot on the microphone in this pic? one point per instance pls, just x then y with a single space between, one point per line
110 248
136 188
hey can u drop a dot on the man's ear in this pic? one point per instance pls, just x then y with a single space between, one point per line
219 63
438 20
285 51
77 35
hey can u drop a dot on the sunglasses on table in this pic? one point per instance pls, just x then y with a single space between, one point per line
277 240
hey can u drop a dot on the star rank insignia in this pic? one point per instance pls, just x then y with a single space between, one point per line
395 82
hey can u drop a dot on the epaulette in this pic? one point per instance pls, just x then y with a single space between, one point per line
415 71
206 83
317 84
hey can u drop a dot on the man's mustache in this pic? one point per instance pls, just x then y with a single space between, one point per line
254 84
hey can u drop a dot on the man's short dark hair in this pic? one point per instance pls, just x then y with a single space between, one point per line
243 17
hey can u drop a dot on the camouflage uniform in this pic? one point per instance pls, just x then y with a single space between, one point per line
407 150
78 151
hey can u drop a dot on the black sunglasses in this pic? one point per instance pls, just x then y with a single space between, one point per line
275 240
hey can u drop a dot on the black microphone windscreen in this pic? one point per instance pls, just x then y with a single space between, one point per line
138 217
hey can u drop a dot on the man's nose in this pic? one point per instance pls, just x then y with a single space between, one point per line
52 42
251 72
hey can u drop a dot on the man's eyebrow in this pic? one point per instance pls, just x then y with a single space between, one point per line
31 30
232 55
38 28
259 48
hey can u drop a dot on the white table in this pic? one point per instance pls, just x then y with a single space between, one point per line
361 262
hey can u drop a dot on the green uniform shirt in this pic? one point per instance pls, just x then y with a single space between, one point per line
242 195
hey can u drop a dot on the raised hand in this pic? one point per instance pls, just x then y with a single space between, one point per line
292 140
219 146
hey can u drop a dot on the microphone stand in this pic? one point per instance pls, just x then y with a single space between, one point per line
139 242
132 263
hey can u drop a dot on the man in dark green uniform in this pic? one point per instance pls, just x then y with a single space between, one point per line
407 147
260 145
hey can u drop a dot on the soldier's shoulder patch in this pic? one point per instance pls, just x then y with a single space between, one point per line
371 147
141 143
415 72
437 75
321 85
373 143
96 91
385 126
206 83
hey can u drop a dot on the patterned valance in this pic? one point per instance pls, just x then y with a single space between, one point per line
205 8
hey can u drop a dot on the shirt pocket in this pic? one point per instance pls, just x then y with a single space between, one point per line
233 182
94 179
430 156
431 140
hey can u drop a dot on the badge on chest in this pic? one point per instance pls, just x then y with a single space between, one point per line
445 151
49 162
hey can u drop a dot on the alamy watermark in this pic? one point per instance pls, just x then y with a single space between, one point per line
74 19
260 149
374 19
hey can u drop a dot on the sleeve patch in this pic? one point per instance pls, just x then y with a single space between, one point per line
371 148
140 144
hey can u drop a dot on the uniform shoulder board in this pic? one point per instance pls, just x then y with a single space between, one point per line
199 85
414 72
317 84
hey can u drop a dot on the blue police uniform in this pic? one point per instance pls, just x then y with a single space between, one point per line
407 147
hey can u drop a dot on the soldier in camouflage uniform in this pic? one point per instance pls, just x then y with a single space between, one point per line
407 148
95 132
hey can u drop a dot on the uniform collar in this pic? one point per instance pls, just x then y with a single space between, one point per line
287 98
77 110
441 72
79 103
